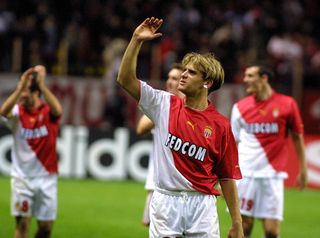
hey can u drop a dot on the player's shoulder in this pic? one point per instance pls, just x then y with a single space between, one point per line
218 117
245 102
283 98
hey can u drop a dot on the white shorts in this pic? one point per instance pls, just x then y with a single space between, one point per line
35 197
183 214
261 197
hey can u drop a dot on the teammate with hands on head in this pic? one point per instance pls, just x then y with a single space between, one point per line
34 125
195 147
261 123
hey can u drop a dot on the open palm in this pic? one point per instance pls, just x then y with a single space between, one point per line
147 30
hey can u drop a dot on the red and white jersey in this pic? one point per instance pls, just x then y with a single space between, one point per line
261 129
34 148
193 148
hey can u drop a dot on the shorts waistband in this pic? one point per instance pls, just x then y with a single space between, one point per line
178 193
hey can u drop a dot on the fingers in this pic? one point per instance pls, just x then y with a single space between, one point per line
40 69
153 22
27 73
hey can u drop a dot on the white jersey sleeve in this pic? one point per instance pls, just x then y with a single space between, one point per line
13 121
150 101
235 122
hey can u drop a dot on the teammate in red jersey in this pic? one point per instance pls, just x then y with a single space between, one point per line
195 146
34 125
261 124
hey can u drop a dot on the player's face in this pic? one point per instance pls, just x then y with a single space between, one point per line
253 80
28 99
191 80
172 83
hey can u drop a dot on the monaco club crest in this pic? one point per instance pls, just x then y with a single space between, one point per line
207 132
276 112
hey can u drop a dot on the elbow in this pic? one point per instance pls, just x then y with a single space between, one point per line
57 112
139 132
121 79
3 113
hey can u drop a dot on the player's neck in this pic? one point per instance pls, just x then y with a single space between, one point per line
196 103
264 94
35 105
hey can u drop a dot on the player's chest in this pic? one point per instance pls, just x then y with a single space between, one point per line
32 120
193 128
265 112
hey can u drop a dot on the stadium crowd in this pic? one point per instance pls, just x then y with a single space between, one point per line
69 37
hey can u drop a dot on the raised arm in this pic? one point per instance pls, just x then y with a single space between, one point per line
8 104
144 126
53 102
127 78
230 194
299 146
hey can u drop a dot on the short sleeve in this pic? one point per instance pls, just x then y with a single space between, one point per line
12 121
228 166
151 101
235 122
295 121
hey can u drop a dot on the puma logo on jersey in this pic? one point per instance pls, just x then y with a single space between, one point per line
34 133
266 128
191 124
185 147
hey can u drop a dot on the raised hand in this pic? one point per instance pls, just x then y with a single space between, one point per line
147 30
41 75
24 79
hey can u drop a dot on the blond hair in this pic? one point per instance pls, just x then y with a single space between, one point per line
209 67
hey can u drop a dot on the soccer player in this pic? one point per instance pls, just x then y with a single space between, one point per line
145 125
195 147
261 123
34 125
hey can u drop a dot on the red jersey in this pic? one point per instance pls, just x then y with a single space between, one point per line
261 129
194 148
34 148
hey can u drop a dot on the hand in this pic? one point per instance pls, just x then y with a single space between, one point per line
147 29
303 179
236 231
24 79
41 75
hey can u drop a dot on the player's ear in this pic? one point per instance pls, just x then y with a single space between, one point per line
208 84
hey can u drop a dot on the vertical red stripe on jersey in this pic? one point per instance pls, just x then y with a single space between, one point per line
43 146
278 110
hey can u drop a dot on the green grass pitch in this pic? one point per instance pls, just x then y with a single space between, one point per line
98 209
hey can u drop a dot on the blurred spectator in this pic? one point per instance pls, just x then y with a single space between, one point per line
69 36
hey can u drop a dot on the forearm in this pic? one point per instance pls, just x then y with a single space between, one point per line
144 126
299 145
229 190
53 102
127 72
300 149
8 104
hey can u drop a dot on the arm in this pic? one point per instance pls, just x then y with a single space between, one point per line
230 194
8 104
54 104
299 146
127 72
144 126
